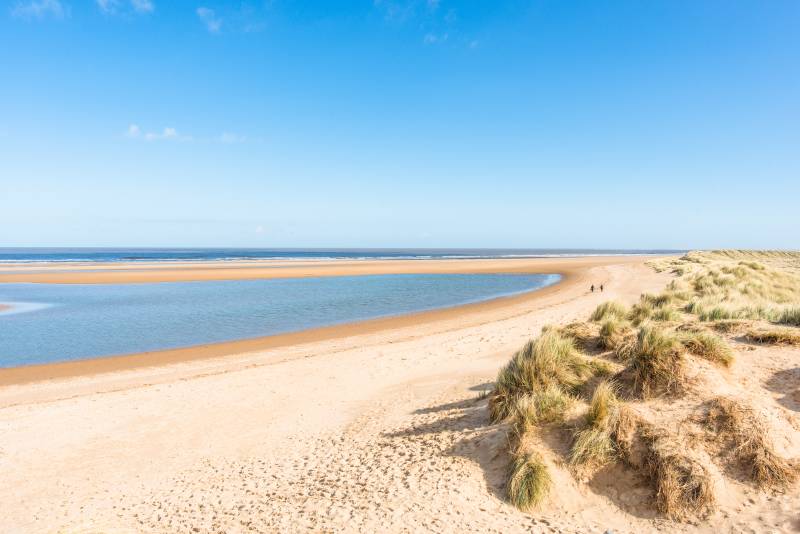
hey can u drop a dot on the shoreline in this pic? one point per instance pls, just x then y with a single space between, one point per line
570 270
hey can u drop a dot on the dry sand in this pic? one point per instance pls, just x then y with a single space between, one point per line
375 430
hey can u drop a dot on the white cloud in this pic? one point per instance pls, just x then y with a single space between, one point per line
167 133
432 38
116 6
107 5
143 6
39 9
210 19
229 138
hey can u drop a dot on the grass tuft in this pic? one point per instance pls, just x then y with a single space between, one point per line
640 312
584 334
790 316
730 326
657 362
609 310
781 336
684 487
593 444
547 405
529 481
613 332
747 433
666 314
708 346
550 360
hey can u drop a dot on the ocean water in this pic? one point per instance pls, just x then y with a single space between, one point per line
229 254
55 322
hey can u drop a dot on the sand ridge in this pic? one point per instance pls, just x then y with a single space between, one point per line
148 272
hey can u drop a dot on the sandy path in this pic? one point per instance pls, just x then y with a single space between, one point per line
377 431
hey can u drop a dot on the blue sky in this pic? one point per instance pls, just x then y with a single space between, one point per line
422 123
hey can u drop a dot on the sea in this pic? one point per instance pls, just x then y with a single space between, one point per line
13 255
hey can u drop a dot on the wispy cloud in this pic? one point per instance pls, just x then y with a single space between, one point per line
433 38
210 19
134 131
167 134
434 19
228 138
396 10
107 5
117 6
38 9
143 6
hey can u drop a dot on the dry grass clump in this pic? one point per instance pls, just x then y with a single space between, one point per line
790 316
550 360
584 334
780 336
529 480
666 314
593 444
708 346
543 406
640 312
609 310
730 326
684 486
613 333
657 362
747 433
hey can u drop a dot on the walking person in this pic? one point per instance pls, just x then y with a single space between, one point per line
601 288
592 288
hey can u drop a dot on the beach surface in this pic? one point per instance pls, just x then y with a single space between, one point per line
369 427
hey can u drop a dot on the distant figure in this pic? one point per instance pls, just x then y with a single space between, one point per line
601 288
592 288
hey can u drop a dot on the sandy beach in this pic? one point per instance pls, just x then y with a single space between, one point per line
323 433
372 428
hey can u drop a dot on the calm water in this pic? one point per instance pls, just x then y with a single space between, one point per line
65 322
222 254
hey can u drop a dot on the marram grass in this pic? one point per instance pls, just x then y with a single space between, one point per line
529 480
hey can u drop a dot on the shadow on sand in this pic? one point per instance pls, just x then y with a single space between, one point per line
787 383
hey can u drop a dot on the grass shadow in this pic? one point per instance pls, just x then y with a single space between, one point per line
787 383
